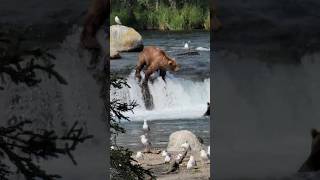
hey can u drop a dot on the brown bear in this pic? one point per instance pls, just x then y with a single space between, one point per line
155 59
313 161
95 18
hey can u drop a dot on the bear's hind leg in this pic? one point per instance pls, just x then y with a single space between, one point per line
163 75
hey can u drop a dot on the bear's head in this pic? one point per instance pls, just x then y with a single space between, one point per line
315 148
173 66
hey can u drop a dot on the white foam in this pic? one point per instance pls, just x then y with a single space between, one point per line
202 49
176 99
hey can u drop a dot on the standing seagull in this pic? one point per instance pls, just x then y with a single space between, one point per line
191 163
117 20
178 157
145 142
186 45
145 126
164 153
203 155
167 158
186 145
139 155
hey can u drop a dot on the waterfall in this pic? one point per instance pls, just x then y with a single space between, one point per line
177 98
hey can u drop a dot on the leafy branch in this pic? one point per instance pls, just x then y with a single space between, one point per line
22 146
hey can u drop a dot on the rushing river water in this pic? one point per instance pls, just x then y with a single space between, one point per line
180 102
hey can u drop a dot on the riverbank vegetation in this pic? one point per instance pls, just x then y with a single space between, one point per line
162 14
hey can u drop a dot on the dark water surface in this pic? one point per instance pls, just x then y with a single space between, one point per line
161 130
192 67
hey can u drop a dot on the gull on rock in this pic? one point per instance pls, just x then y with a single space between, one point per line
144 140
145 126
203 155
164 153
178 157
186 45
191 163
167 158
139 155
185 145
117 20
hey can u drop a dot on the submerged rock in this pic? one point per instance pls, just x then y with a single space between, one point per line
123 38
177 138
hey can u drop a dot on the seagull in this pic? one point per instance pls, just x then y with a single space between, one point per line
144 140
117 20
178 157
112 147
208 150
167 159
203 155
139 155
191 162
186 45
164 153
185 145
145 126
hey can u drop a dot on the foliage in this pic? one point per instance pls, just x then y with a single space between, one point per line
21 146
123 166
174 15
122 163
20 64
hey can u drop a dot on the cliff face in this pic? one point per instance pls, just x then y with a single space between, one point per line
273 31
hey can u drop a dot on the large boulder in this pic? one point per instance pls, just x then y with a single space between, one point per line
114 54
123 38
177 138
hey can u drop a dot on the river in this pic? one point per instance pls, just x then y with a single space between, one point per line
180 102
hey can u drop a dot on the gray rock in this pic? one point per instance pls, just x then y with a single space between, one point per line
177 138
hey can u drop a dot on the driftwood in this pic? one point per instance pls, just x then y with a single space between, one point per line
174 165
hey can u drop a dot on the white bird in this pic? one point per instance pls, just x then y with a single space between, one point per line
191 163
164 153
203 155
144 140
208 150
117 20
139 155
185 145
112 147
167 158
178 157
186 45
145 126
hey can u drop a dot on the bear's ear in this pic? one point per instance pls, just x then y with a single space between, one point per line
314 133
